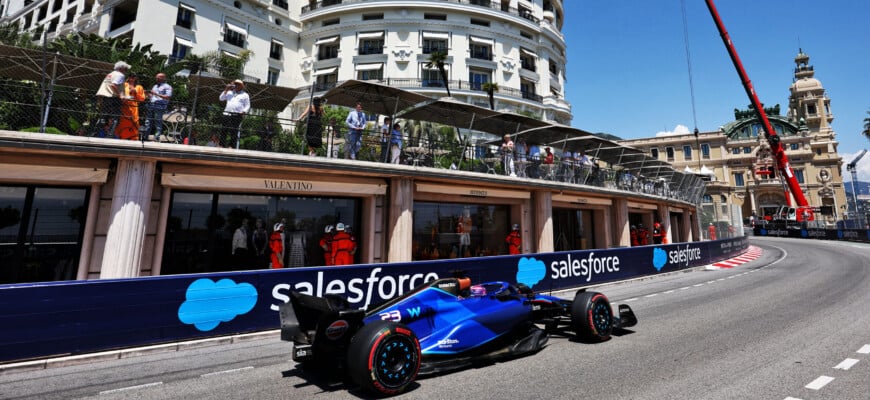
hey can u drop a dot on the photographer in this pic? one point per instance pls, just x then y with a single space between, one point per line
238 104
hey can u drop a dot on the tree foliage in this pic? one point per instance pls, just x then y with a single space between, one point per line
437 60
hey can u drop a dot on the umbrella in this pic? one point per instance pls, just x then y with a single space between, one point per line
449 111
263 97
374 97
27 64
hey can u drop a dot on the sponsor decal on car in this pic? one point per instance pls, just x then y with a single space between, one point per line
447 343
337 329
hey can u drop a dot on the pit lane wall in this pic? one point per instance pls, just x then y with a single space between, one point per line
66 318
852 235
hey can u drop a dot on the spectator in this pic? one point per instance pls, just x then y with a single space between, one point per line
238 104
396 143
109 97
332 133
266 136
514 240
657 233
343 247
214 141
313 126
134 94
386 132
159 97
260 241
356 122
507 153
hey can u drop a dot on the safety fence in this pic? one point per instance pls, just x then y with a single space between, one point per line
851 235
65 318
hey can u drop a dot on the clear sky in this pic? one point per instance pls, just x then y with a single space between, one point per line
627 72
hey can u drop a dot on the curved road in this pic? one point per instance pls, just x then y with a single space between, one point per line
793 324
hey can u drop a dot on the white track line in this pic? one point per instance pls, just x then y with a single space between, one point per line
846 364
229 371
819 383
864 349
124 389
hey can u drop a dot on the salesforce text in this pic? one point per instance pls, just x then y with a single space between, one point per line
583 267
356 289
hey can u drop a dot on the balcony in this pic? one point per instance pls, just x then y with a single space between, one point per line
493 5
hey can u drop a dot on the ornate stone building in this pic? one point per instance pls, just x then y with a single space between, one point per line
737 157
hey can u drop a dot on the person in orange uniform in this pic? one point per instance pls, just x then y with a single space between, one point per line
134 94
276 244
712 231
326 244
657 233
514 240
633 235
642 235
343 246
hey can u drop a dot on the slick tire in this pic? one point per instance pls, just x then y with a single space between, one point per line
384 358
591 317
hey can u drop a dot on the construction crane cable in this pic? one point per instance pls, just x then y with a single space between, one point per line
689 64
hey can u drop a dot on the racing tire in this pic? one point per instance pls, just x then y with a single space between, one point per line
591 316
384 357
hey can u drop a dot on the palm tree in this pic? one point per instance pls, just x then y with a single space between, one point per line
436 60
490 87
866 132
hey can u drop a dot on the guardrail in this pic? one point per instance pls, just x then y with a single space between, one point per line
66 318
851 235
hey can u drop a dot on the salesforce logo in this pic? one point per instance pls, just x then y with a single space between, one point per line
530 271
804 233
583 267
208 303
359 291
660 258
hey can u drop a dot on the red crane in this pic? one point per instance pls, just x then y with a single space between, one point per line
804 211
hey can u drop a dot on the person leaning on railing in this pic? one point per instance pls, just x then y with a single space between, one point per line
159 97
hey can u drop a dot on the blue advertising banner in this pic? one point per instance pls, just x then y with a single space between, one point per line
63 318
853 235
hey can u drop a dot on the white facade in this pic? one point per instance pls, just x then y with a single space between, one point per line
516 44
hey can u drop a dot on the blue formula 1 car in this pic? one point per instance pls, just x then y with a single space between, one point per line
441 325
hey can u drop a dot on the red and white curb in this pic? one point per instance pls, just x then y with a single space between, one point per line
751 254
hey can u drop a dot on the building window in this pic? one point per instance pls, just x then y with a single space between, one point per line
795 146
235 34
184 17
705 151
687 152
480 22
670 153
477 77
747 150
431 77
180 49
811 110
526 35
276 49
366 72
527 88
707 199
438 17
528 59
280 3
738 179
329 22
204 224
435 42
327 48
371 43
735 150
654 152
272 78
326 79
799 175
372 17
438 225
526 13
41 234
480 49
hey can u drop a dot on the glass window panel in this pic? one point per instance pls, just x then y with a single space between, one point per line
454 230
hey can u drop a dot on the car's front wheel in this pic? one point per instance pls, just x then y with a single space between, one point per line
384 357
591 316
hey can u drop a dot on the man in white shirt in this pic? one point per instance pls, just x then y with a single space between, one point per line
109 95
356 122
238 104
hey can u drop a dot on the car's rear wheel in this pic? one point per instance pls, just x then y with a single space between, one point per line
591 316
384 357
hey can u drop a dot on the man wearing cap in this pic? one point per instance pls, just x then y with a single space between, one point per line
343 246
514 240
109 97
238 104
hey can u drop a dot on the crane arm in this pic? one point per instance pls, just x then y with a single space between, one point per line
770 134
851 166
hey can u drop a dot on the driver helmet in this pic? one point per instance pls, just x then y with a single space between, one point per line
478 290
